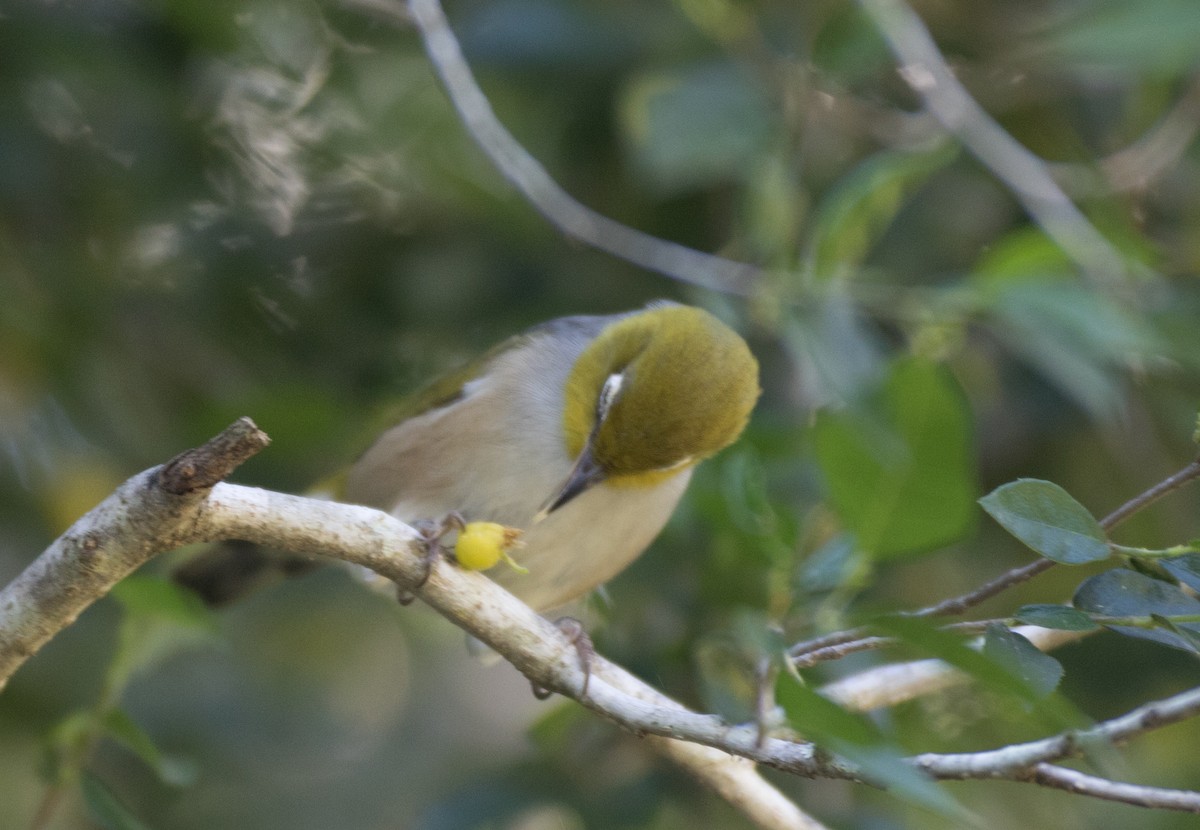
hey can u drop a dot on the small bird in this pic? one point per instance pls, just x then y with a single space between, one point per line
583 432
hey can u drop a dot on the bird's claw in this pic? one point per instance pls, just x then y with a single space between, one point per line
578 637
431 532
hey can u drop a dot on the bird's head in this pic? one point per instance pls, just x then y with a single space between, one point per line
656 392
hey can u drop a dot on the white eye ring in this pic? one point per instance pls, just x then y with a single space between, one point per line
608 394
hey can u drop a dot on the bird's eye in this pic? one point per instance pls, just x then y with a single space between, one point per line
608 394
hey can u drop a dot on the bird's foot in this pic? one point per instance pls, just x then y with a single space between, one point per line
578 637
432 532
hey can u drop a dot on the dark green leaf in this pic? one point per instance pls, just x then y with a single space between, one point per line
157 597
161 619
121 727
849 45
1045 517
1079 339
1040 672
1186 635
1061 617
929 639
1119 35
843 354
996 676
829 567
1185 568
901 475
820 720
172 770
859 741
542 35
864 203
1125 593
697 126
105 809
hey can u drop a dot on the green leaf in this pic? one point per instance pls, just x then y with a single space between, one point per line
864 203
997 676
1186 635
1125 593
1040 672
1025 254
1082 341
1150 36
696 127
1185 568
160 620
859 741
178 772
901 474
1061 617
543 35
157 597
928 638
1047 519
829 567
849 45
105 809
841 354
122 728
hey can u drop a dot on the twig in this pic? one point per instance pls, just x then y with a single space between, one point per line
529 177
1017 758
111 541
202 467
1073 781
957 605
1144 161
890 685
1026 175
1143 500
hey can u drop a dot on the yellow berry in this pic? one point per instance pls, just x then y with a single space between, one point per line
482 544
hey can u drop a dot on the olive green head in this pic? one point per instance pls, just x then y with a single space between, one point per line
658 391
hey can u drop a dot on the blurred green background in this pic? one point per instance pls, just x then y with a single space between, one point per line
216 209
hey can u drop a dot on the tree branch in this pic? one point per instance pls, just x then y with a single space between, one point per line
1017 759
1147 159
885 686
1073 781
837 643
524 172
1026 176
144 517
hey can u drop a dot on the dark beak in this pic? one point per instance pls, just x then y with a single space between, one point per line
583 476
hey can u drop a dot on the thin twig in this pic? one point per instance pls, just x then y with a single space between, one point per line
891 684
1143 500
1026 176
957 605
1144 161
525 173
839 642
1016 758
1073 781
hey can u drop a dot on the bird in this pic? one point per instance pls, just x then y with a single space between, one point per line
583 432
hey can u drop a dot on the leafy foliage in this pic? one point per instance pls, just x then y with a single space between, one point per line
269 208
1045 517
